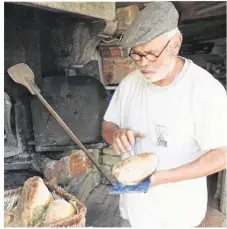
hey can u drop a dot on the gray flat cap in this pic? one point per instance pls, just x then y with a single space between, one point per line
155 19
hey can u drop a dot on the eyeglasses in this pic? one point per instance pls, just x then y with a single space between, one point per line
149 56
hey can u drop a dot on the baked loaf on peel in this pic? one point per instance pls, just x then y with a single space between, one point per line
134 170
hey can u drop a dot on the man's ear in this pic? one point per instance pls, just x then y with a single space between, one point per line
176 44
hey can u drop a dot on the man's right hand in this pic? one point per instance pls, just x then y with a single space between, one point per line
124 140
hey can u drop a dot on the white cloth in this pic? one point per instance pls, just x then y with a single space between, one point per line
181 121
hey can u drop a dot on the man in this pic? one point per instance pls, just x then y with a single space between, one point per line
175 109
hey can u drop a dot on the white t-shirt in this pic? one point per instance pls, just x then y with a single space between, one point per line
181 121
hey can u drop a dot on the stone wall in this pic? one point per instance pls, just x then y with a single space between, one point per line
75 172
108 160
116 64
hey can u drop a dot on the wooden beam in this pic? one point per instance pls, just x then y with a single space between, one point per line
99 10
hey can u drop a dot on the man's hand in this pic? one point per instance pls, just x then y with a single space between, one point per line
124 140
121 140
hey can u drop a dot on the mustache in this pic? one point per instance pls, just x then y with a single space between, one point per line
146 69
154 70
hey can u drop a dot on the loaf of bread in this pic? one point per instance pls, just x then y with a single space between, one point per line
58 210
133 170
33 201
8 219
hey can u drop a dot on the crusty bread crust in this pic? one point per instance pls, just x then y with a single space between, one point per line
143 165
58 210
32 203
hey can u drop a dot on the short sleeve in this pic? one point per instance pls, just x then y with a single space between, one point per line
211 116
114 109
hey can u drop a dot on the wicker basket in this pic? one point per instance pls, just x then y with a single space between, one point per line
78 220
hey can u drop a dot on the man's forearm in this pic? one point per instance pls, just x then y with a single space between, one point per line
108 128
211 162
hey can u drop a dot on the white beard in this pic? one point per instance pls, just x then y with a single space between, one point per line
161 73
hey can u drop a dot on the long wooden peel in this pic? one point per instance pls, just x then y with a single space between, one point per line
22 74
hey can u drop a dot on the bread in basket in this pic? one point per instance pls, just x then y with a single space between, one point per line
35 205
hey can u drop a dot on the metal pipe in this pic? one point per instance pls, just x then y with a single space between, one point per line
211 8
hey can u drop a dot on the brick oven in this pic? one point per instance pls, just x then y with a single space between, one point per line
58 42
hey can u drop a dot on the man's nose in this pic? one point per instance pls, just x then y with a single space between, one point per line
144 62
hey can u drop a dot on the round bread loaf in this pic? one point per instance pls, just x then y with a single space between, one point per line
58 210
33 201
8 220
133 170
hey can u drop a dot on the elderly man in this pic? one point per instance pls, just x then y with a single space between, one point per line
175 109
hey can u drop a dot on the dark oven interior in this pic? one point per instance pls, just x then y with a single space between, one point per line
51 44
